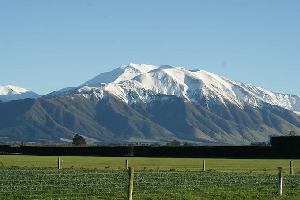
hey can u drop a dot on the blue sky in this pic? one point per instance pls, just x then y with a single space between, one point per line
49 45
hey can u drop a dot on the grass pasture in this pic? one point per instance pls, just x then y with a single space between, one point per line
269 166
36 177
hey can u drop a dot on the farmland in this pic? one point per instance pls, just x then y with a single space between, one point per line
154 164
34 177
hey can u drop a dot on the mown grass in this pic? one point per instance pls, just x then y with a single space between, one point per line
250 166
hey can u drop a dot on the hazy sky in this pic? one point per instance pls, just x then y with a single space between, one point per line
47 45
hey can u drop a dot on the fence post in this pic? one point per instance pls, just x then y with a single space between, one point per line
58 163
291 168
203 166
126 164
280 179
130 183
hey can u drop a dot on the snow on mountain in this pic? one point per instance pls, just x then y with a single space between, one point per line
10 92
139 82
62 92
297 113
124 73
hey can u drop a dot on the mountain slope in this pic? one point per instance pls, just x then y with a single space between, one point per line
55 120
46 120
110 120
9 92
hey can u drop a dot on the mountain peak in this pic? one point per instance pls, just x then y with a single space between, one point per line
142 68
140 82
11 92
123 73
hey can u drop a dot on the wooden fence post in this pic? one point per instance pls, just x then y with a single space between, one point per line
203 166
126 164
130 183
58 163
280 179
291 168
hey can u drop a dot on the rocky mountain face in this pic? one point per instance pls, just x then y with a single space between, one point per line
145 103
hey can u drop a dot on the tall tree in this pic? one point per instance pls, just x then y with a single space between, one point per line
292 133
174 143
78 140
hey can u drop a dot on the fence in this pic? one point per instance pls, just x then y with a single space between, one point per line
18 183
211 185
206 183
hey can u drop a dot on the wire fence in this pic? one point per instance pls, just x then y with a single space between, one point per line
35 183
18 183
211 185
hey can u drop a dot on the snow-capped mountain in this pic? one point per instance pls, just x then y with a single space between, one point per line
10 92
140 82
147 103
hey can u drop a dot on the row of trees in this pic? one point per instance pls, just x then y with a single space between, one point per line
176 143
78 140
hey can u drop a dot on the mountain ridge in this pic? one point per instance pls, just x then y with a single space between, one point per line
143 81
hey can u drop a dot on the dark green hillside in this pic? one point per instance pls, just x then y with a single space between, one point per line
109 120
126 122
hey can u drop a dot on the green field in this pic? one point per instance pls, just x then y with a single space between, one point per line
154 164
36 177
